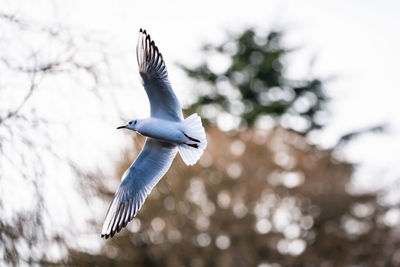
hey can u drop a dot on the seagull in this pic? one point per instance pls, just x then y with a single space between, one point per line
167 133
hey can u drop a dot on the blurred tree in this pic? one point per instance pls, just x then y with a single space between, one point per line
250 83
255 198
37 63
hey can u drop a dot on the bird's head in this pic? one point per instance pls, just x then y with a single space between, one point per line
131 125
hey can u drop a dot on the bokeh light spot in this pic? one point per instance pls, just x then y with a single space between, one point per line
234 170
134 225
296 247
239 209
292 179
222 242
203 239
237 147
263 226
157 224
224 199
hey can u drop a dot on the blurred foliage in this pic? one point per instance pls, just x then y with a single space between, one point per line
254 84
254 198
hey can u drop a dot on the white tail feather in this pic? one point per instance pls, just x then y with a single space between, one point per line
195 130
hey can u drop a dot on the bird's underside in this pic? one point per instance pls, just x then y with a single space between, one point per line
157 155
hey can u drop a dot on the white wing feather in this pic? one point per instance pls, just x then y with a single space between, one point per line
163 101
138 181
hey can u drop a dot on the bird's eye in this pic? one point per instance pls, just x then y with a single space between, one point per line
130 123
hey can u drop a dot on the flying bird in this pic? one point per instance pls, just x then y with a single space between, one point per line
167 133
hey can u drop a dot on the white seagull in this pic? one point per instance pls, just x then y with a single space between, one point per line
167 134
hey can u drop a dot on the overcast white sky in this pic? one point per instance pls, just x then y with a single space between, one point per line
356 41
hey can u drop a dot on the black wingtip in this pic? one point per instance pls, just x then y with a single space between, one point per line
144 32
106 236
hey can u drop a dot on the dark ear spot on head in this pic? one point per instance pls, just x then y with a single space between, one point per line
135 122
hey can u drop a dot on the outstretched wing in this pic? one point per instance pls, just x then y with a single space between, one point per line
138 181
152 69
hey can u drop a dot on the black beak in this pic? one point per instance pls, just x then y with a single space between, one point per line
121 127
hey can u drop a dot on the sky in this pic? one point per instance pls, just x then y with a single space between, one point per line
355 41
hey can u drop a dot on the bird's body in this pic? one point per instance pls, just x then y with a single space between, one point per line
163 130
167 134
